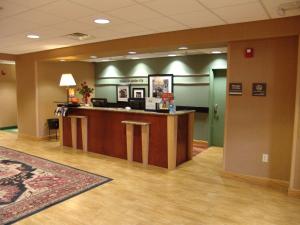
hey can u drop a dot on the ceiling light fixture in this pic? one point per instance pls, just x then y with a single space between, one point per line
93 57
216 52
62 60
172 55
135 58
131 52
33 36
101 21
183 48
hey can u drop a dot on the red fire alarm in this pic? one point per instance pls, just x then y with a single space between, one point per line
249 52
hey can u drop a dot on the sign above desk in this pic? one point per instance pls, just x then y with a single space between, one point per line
196 79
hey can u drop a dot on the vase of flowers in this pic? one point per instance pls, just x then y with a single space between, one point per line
85 91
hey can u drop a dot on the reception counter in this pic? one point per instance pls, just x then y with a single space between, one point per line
104 132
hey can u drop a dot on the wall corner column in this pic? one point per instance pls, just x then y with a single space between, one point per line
294 187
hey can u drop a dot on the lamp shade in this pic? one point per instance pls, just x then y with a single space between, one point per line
67 80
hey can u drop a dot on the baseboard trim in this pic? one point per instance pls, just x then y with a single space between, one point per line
294 193
9 127
262 181
200 143
34 138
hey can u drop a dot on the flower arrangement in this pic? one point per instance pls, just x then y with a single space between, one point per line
85 91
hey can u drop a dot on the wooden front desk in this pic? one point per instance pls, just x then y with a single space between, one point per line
170 137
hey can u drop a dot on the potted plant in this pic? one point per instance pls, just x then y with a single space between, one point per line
85 91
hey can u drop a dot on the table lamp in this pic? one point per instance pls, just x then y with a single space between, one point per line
67 81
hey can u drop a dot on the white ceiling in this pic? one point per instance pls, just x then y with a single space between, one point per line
177 52
52 19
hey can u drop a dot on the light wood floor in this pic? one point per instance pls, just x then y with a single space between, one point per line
193 194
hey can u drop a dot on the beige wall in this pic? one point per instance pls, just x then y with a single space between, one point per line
8 92
49 74
257 125
26 96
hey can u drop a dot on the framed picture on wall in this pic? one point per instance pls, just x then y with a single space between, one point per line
123 93
159 84
138 92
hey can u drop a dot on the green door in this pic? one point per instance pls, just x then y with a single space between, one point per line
219 99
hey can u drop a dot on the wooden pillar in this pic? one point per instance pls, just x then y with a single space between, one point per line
191 120
145 143
172 124
129 141
74 131
84 131
61 137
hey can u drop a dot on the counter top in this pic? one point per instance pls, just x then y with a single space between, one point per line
136 111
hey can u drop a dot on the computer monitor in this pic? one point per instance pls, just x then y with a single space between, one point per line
136 103
99 102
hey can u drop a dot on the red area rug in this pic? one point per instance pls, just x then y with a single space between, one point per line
29 184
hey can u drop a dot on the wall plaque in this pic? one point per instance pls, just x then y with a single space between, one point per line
235 88
259 89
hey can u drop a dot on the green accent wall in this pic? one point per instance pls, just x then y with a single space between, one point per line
192 79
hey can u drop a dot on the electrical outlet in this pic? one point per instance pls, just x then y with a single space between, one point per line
265 157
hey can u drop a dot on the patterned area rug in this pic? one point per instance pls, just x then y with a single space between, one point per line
29 184
198 149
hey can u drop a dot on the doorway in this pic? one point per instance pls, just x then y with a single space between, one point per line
8 93
218 104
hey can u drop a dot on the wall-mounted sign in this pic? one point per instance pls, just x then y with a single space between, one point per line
259 89
235 88
132 81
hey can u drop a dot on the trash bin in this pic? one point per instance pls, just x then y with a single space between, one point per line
53 124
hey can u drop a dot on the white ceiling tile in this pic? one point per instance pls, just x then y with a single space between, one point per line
32 3
158 23
101 32
273 8
10 8
90 20
128 28
169 7
13 40
38 17
141 1
134 13
72 27
213 4
105 5
198 19
173 28
66 9
11 26
242 13
48 32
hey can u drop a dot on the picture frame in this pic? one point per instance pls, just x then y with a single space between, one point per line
138 92
159 84
123 93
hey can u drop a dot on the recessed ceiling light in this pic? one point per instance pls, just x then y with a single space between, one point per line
62 60
33 36
101 21
183 48
93 57
131 52
172 55
216 52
